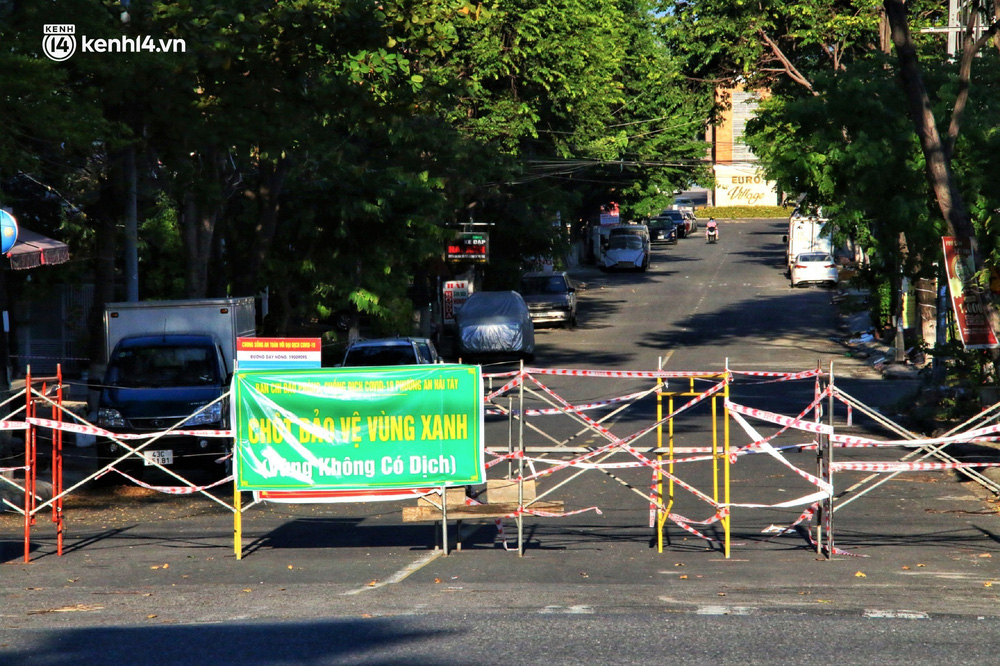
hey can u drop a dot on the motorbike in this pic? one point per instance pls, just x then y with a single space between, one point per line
712 235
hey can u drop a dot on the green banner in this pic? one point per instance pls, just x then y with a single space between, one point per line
358 428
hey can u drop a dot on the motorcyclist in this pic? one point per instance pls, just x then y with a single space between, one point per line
710 227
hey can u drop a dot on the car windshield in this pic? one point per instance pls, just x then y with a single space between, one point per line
163 367
815 258
362 355
425 352
660 223
554 284
625 242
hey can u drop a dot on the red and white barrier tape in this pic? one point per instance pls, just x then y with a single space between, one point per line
784 429
13 425
101 432
904 466
988 433
173 490
782 375
573 408
825 489
779 419
501 375
686 406
686 523
614 374
503 389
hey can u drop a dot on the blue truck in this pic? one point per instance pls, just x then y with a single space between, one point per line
167 361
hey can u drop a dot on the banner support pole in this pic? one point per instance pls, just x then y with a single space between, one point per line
237 518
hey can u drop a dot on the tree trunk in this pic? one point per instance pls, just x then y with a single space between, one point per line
926 290
938 166
198 220
271 180
940 176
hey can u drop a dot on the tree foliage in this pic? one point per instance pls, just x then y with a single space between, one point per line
325 149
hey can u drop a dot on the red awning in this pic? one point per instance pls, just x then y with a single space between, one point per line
33 250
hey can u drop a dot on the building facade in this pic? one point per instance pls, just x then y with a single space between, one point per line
738 180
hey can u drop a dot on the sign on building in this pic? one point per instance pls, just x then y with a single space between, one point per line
743 185
471 246
455 293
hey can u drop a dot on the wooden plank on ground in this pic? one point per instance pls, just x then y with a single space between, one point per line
422 513
499 491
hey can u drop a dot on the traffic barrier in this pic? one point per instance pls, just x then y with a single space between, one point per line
530 455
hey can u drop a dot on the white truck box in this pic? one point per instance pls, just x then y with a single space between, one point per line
224 318
807 234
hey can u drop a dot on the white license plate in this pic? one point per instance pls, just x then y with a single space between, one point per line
160 457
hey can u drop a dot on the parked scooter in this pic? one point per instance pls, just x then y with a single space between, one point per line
712 231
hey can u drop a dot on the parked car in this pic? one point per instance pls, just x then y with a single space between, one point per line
681 222
683 204
692 221
628 247
390 351
662 230
626 253
551 298
814 268
495 323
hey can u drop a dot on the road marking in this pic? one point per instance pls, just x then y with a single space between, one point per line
725 610
567 610
948 575
401 574
666 358
895 614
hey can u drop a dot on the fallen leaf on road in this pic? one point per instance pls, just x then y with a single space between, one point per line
683 576
986 555
906 567
988 583
151 616
921 565
437 580
247 589
860 574
373 583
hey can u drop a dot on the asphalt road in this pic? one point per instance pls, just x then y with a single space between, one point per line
150 578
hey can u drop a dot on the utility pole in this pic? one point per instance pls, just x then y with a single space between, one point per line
131 226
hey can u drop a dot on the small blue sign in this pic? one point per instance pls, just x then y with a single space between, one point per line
8 231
